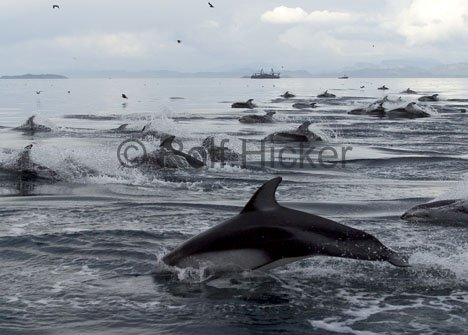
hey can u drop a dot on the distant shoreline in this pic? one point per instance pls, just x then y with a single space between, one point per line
35 76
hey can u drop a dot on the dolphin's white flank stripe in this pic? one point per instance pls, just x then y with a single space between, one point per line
227 260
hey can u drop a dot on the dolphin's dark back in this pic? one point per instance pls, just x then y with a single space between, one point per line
271 233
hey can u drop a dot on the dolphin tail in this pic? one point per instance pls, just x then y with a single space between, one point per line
167 143
398 260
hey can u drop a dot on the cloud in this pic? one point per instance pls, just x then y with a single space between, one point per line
244 33
287 15
426 22
299 38
114 44
284 14
124 44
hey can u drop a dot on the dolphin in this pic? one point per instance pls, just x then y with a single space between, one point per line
166 157
143 132
410 111
265 235
301 134
123 129
452 210
32 127
287 95
375 109
219 153
326 95
304 105
27 170
162 159
253 118
425 98
248 104
167 144
408 91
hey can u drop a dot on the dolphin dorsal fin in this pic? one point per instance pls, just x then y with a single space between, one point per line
24 159
167 143
304 126
30 121
264 198
123 126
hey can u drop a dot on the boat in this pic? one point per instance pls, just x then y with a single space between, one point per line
343 77
263 75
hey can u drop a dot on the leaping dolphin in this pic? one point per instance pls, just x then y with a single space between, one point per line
265 235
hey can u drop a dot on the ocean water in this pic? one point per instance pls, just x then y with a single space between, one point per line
76 255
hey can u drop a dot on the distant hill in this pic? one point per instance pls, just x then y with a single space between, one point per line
35 76
385 69
387 72
241 73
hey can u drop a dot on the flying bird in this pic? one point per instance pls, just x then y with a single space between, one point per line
211 6
124 96
55 6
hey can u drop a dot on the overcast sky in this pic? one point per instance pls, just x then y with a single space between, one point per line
314 35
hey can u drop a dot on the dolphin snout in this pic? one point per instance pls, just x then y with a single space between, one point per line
405 216
398 260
